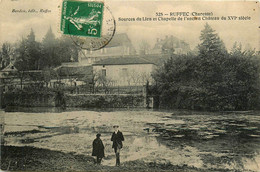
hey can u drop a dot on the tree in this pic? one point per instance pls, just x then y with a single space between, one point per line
236 49
94 80
91 81
56 51
67 50
28 53
210 69
21 62
6 54
210 42
176 82
211 80
104 82
135 77
49 51
47 75
211 58
33 51
27 56
145 77
243 77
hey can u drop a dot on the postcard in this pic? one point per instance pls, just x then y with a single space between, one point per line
100 85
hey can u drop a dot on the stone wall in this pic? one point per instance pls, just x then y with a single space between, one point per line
104 100
24 99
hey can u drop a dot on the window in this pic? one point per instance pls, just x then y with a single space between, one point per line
104 72
124 72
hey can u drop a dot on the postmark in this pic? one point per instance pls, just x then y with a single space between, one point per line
92 35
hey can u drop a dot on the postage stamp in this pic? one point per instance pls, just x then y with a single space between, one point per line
82 18
96 43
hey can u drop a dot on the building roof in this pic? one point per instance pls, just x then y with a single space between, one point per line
10 68
119 40
77 71
171 42
157 59
123 61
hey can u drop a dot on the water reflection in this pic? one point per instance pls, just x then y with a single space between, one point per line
200 140
223 142
34 109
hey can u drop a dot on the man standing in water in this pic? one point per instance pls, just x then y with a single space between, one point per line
117 138
98 149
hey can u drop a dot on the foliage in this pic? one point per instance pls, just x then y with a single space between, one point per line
67 50
212 80
103 82
29 54
104 101
6 53
210 42
21 62
49 51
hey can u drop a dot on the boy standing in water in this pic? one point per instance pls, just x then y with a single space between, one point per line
98 149
117 138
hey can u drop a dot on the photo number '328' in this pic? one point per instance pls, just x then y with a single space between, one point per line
92 31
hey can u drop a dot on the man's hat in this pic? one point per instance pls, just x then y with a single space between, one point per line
115 126
98 135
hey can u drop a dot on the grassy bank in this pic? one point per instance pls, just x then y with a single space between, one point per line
35 159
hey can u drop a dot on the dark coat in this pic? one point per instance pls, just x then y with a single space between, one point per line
98 148
117 139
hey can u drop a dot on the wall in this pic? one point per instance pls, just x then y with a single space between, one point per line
89 57
73 100
135 71
29 99
111 51
104 101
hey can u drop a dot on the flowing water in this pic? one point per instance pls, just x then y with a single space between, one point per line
202 140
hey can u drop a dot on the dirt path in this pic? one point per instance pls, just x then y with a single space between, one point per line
35 159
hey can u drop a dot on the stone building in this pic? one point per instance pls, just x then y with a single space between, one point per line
125 71
119 46
170 44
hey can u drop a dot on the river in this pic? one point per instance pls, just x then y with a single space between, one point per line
203 140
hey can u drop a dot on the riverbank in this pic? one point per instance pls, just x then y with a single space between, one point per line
35 159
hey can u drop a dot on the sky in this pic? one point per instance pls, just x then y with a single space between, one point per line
15 25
